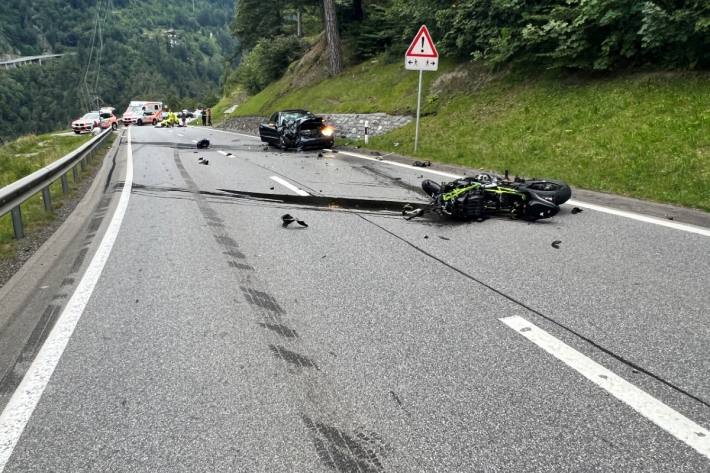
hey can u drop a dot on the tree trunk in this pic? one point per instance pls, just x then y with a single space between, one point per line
358 11
332 38
298 22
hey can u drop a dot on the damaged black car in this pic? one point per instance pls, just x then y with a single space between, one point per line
298 129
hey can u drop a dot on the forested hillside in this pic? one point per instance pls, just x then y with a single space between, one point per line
172 51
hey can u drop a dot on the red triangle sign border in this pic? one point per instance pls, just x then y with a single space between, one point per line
423 31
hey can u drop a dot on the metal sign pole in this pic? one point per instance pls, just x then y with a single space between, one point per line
419 103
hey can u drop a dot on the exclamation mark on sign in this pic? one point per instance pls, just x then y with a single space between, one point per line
422 44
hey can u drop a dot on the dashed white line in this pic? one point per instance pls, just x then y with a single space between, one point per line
599 208
19 409
290 186
668 419
194 141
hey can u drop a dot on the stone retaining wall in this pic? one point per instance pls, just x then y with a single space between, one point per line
348 125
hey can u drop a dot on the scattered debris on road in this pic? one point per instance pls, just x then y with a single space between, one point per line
422 164
203 144
556 244
204 161
444 238
576 210
288 219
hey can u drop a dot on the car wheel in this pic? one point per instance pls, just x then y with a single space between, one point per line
114 126
556 192
139 123
77 132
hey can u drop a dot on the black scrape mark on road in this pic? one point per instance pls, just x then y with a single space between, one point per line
234 264
14 375
395 397
388 179
262 299
68 281
226 241
343 452
79 260
235 254
292 357
282 330
95 224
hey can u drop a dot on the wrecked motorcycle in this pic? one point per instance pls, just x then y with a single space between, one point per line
475 198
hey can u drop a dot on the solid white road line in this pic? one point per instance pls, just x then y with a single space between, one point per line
651 408
395 163
287 184
642 218
25 398
223 153
599 208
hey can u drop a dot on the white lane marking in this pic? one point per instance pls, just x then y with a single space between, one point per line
194 141
668 419
642 218
287 184
224 153
180 134
25 398
599 208
402 165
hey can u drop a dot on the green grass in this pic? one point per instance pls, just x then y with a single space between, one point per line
368 87
24 156
645 135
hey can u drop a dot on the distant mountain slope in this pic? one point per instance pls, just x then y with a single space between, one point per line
125 49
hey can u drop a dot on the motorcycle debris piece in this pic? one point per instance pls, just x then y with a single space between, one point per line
203 144
576 210
287 219
556 244
271 188
302 223
320 155
422 164
444 238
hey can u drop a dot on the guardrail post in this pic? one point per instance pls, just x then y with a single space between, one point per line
47 199
75 173
65 184
82 163
17 222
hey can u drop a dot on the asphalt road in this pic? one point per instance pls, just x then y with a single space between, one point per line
217 340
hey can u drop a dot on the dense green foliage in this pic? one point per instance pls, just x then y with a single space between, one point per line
267 61
586 35
149 49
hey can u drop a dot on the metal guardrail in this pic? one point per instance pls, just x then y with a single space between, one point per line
14 195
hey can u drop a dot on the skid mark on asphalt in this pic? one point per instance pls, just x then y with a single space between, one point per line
320 413
343 452
292 357
280 329
262 299
14 375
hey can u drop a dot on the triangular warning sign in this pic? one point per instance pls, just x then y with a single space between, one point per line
422 45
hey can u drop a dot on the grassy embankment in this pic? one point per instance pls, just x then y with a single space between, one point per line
22 157
645 135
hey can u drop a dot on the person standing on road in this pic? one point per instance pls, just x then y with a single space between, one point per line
209 117
204 117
